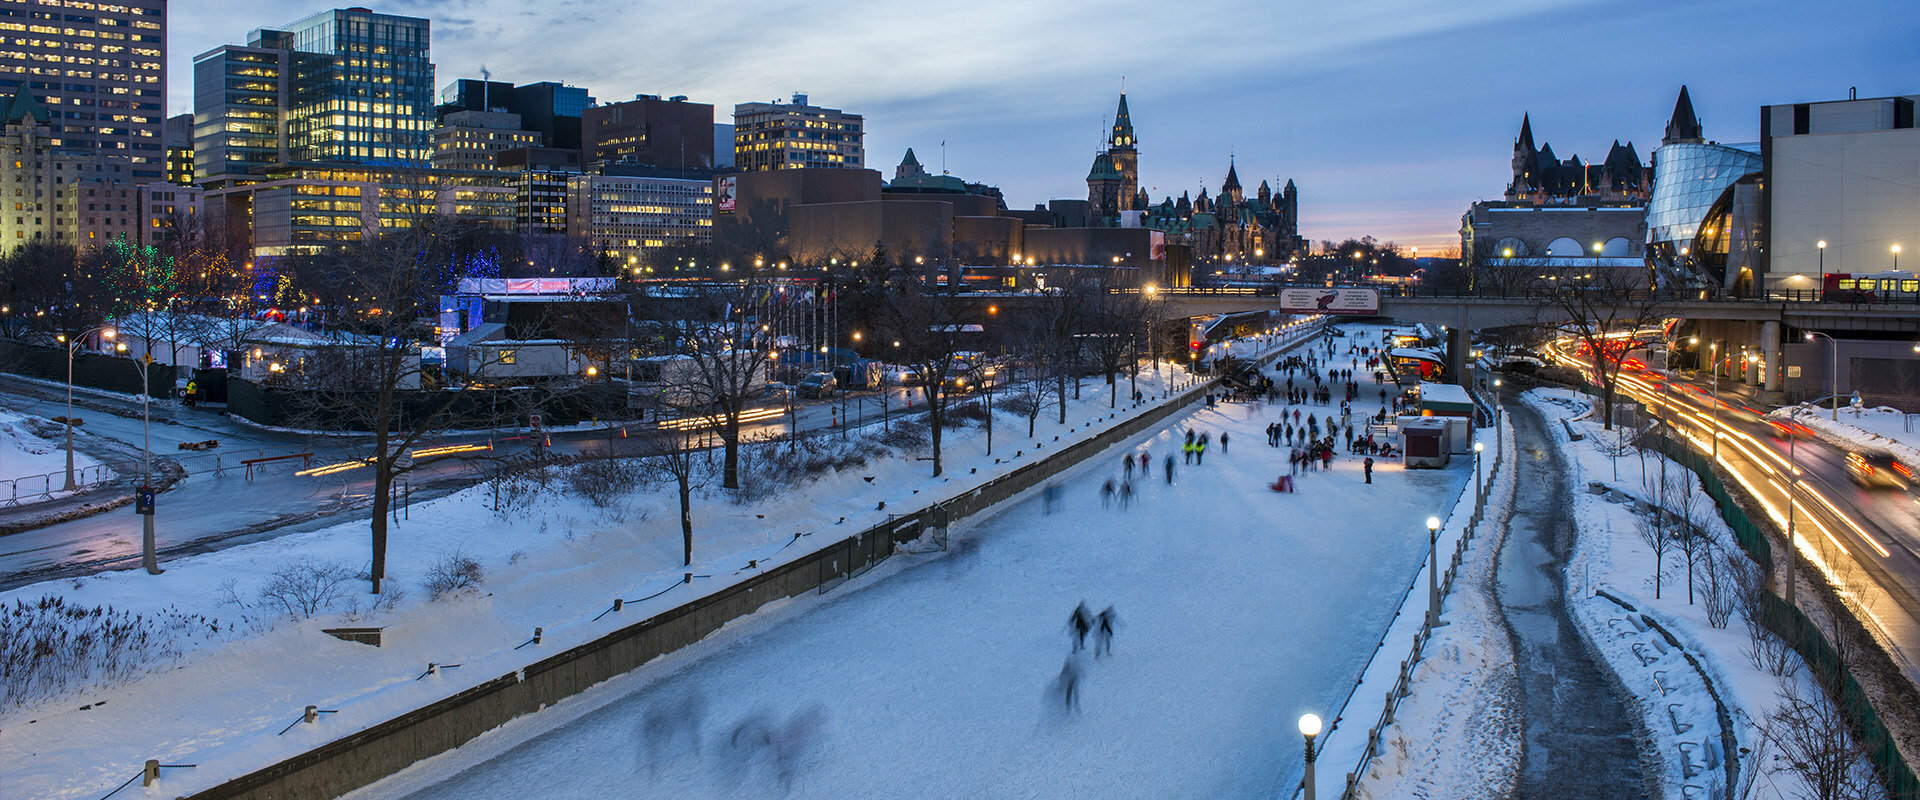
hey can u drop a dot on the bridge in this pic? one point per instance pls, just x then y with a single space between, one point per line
1757 319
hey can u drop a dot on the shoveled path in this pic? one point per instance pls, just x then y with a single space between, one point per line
1580 742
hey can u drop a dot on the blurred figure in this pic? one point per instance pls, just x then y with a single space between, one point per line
1103 632
1080 623
1068 685
668 722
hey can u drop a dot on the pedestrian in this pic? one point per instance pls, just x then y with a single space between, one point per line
1186 451
1126 493
1143 465
1126 463
1169 463
1051 496
1223 441
1367 465
1080 623
1106 493
1103 632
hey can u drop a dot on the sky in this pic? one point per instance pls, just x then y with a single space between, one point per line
1391 116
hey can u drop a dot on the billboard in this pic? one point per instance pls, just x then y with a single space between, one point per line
1158 246
1330 300
724 195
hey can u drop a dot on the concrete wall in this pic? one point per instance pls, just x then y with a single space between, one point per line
1855 191
362 758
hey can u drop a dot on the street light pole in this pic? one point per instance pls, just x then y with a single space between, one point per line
105 333
1309 728
1833 371
148 558
1479 490
1433 572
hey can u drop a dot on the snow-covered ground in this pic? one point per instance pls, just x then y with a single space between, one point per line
24 454
936 675
1612 568
235 670
1880 428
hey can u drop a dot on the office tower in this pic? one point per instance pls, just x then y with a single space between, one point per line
470 139
648 130
347 86
769 136
107 94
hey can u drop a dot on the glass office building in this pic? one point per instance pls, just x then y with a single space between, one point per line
1697 219
362 89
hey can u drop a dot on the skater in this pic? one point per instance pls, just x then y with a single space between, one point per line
1126 493
1051 497
1126 464
1080 622
1368 466
1106 494
1200 451
1068 684
1103 632
1169 463
1143 465
1223 441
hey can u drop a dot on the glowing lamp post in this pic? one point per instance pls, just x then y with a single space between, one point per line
74 344
1433 572
1309 728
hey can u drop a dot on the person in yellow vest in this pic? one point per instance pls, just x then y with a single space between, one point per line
192 393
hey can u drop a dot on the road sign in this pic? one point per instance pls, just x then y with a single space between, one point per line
143 500
1330 300
533 421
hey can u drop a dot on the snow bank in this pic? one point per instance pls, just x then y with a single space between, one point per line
1879 428
24 454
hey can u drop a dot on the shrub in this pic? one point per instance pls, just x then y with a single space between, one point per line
602 482
454 572
306 587
49 647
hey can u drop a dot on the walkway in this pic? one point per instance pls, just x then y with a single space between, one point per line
1579 740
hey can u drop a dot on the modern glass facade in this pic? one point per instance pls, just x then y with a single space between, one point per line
238 93
362 89
1690 180
99 68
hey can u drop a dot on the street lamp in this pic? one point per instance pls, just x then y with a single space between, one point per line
1433 572
1478 489
1822 245
1309 728
1833 373
106 332
145 501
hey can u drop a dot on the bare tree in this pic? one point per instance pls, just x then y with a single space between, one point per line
720 332
1653 529
1602 311
934 333
1817 747
676 455
1113 321
1693 509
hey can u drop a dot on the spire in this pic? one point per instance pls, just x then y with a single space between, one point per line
22 106
1684 126
1122 135
909 167
1524 144
1233 178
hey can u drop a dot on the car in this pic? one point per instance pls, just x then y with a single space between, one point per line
816 384
1878 470
1788 429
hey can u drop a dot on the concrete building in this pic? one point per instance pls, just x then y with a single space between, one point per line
170 214
649 131
346 86
1839 172
775 136
472 140
107 95
643 221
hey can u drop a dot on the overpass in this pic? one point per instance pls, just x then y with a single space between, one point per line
1753 321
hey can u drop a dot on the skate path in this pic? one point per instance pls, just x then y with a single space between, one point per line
934 676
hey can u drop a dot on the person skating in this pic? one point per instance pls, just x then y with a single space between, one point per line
1080 622
1103 632
1169 463
1068 684
1106 494
1367 465
1223 441
1126 464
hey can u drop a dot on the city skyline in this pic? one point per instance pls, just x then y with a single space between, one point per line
1021 99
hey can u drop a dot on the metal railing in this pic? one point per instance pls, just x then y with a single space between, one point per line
28 489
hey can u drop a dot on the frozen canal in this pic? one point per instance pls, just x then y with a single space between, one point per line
937 675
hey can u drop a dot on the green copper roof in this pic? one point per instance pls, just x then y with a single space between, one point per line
1103 169
22 105
909 160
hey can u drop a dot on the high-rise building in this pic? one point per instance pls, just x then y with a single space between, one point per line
178 139
770 136
99 69
548 108
346 86
651 131
635 218
471 139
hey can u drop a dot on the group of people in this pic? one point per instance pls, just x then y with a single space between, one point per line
1081 624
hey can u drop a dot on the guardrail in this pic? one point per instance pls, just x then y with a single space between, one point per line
29 489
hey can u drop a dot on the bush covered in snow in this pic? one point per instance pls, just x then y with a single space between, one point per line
307 587
454 572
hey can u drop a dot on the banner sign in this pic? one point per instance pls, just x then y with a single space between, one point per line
723 198
1157 245
1330 300
536 285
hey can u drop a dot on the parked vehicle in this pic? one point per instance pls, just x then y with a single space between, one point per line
818 384
1878 470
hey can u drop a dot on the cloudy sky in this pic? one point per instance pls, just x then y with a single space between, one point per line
1391 115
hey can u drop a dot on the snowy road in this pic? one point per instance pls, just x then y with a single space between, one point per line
1241 609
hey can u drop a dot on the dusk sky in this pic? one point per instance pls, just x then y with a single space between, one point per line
1390 116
